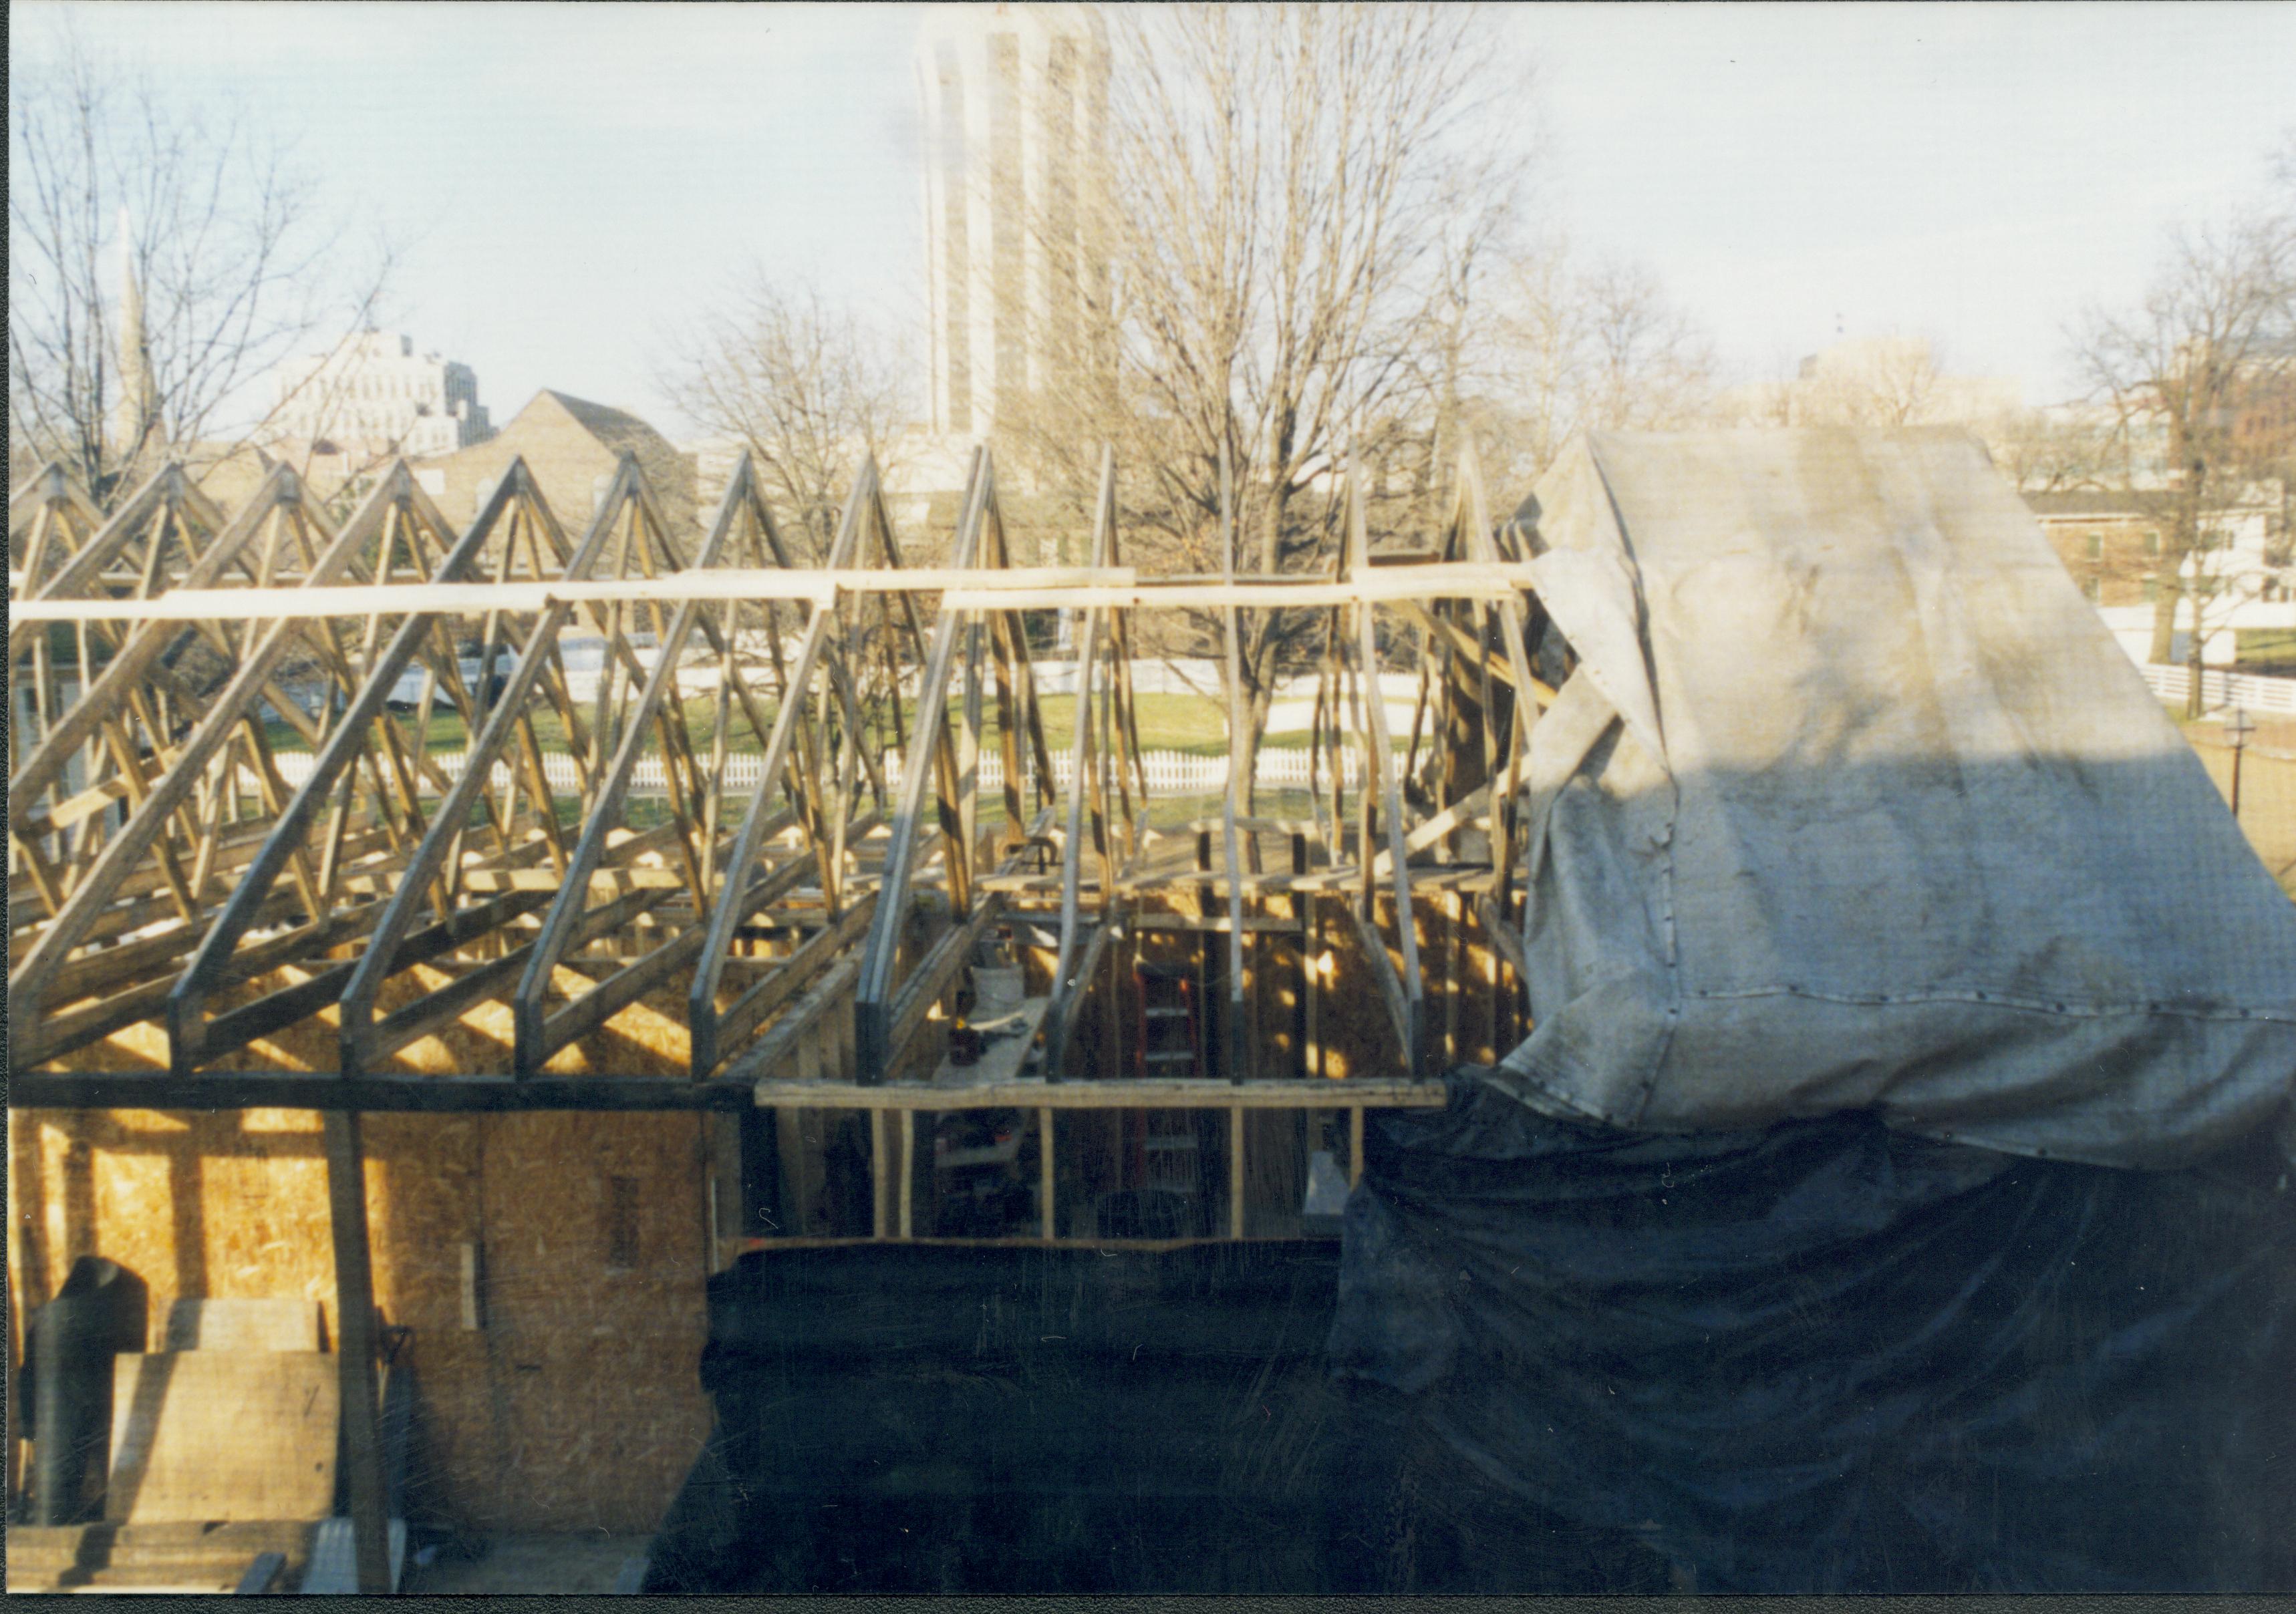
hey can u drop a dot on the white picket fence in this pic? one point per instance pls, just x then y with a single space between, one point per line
1167 773
2219 689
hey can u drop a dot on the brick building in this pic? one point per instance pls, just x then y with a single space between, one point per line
2111 548
572 447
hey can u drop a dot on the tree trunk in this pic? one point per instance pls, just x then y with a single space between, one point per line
2195 643
1243 762
2168 590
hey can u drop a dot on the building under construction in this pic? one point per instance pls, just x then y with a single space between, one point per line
520 1030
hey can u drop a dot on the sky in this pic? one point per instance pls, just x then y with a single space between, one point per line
568 180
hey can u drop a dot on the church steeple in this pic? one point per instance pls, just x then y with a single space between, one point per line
137 412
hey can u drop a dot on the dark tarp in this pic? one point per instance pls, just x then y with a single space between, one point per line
1551 1356
1826 1357
1012 1419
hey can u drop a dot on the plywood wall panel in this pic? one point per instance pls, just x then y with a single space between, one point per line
576 1407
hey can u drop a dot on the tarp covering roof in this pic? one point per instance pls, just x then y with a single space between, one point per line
1851 800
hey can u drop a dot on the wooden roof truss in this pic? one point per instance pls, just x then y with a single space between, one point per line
799 895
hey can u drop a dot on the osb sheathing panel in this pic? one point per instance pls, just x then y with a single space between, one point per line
575 1407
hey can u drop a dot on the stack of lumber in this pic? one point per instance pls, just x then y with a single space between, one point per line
223 1450
177 1557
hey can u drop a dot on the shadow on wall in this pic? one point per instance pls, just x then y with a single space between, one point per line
546 1307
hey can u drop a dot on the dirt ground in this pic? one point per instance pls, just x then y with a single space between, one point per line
2268 789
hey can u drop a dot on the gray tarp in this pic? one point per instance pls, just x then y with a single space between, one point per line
1852 802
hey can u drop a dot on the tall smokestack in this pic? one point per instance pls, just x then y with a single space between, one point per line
138 406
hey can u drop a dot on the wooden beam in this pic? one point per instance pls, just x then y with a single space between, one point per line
1497 664
789 976
1182 1092
443 838
221 1091
873 1010
209 967
1239 1033
1221 924
708 1029
934 976
1505 939
1079 776
963 590
356 1347
1069 989
1411 1004
1236 1178
757 1062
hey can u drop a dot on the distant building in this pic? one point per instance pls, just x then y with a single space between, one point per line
573 447
136 420
1881 381
1015 108
374 395
2111 543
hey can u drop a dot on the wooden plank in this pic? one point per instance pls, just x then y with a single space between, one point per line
1378 778
1256 924
1483 546
29 975
337 1569
1382 969
790 1033
1235 1178
932 977
1492 662
1505 939
537 1033
440 845
905 1153
243 1325
1069 994
206 1435
1047 1212
963 590
1002 1056
1178 1093
1081 775
261 1575
591 1010
1238 1053
1462 812
789 976
219 1091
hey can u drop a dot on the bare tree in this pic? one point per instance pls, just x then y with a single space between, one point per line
1565 348
2196 377
1892 382
2061 450
1280 183
806 389
159 261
